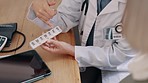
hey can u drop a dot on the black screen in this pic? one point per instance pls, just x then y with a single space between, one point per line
21 67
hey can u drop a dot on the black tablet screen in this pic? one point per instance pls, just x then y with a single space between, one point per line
21 67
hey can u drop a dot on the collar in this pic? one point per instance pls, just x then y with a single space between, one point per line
113 6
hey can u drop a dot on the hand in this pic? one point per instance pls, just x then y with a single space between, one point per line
58 47
43 10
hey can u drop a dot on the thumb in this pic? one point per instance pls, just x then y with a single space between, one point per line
51 3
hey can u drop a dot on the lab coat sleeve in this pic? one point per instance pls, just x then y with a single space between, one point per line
67 17
107 57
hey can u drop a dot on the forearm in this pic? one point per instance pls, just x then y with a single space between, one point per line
105 57
72 51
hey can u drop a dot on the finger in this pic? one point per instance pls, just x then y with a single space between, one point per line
51 3
52 50
41 14
50 11
45 44
45 47
47 22
54 42
44 18
47 11
44 13
48 44
54 38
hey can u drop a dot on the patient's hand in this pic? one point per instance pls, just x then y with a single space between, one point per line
43 10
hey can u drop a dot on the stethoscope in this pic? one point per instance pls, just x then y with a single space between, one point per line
118 27
85 4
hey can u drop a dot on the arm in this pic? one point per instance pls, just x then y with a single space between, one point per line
107 58
68 14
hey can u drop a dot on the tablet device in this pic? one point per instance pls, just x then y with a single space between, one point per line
26 67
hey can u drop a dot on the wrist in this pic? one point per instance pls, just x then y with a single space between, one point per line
72 51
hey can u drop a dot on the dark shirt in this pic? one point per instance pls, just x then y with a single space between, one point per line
100 6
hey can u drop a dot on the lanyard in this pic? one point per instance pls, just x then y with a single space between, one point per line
85 3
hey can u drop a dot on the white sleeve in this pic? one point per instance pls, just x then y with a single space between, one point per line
107 58
67 17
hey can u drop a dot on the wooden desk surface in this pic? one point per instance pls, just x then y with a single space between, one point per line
64 68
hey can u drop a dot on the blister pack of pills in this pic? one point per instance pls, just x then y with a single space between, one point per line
44 37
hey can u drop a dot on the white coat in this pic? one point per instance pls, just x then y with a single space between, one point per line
112 58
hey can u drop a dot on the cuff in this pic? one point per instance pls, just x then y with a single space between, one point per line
80 56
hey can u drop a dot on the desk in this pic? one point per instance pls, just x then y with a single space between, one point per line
64 68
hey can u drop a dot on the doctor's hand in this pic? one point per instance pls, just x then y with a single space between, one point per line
58 47
43 10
